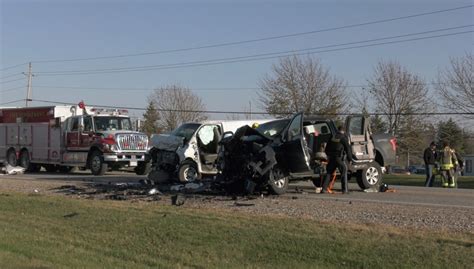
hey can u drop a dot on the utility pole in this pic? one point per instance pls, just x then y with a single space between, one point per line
28 86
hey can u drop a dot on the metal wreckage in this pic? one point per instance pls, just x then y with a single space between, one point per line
276 152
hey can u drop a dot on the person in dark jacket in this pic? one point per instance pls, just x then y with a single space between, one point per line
429 156
338 152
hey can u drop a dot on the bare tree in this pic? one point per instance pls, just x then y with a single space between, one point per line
396 93
176 105
297 84
454 85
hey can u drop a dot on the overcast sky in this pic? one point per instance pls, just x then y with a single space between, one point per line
61 30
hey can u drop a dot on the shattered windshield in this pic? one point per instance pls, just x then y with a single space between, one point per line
112 123
273 128
186 130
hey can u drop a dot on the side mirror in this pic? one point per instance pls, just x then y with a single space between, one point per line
55 123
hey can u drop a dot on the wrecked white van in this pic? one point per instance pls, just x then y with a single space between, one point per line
190 151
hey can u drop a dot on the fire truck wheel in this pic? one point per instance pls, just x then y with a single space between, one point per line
25 160
51 168
97 165
11 158
143 168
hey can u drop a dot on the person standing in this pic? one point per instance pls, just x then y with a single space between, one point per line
338 152
429 156
448 162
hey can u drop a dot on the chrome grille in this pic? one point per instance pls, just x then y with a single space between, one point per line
132 142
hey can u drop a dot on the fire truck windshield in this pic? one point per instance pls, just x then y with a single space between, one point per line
112 123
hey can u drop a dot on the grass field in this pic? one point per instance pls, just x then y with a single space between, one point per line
59 232
466 182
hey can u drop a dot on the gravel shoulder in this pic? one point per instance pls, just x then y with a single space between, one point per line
355 208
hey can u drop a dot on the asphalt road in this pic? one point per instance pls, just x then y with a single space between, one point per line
402 195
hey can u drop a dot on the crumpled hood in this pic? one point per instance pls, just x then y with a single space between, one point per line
166 142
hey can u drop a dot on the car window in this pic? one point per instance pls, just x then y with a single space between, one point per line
186 130
74 124
356 126
87 124
294 132
272 128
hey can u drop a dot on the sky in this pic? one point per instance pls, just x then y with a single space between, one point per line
40 31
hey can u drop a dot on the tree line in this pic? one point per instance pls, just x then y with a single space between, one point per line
401 100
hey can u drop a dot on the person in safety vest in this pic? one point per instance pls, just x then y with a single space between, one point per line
448 162
338 152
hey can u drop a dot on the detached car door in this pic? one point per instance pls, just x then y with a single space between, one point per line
296 155
358 131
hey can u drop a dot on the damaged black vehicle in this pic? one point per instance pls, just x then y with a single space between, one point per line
276 152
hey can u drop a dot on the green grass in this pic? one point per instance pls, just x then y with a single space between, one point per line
466 182
109 234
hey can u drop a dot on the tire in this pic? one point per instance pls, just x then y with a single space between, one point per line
11 158
278 181
188 172
96 164
51 168
143 168
66 169
370 176
24 160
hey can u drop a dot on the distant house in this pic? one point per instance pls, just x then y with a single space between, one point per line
469 165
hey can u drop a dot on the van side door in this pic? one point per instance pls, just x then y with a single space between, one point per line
360 137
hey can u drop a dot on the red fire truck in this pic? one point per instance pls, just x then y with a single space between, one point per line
64 137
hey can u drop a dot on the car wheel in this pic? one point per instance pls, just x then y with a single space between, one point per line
97 165
188 172
278 181
143 168
11 158
370 176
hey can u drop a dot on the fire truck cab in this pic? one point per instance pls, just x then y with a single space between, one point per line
64 137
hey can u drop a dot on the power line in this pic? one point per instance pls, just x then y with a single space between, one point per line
12 75
12 89
257 113
216 88
225 44
12 66
257 57
8 81
11 102
141 89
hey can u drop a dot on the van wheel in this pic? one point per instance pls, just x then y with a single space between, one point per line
143 168
97 165
278 181
188 172
370 176
11 158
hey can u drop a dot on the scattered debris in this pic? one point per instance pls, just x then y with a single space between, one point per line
371 190
12 170
154 191
71 215
178 200
243 204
